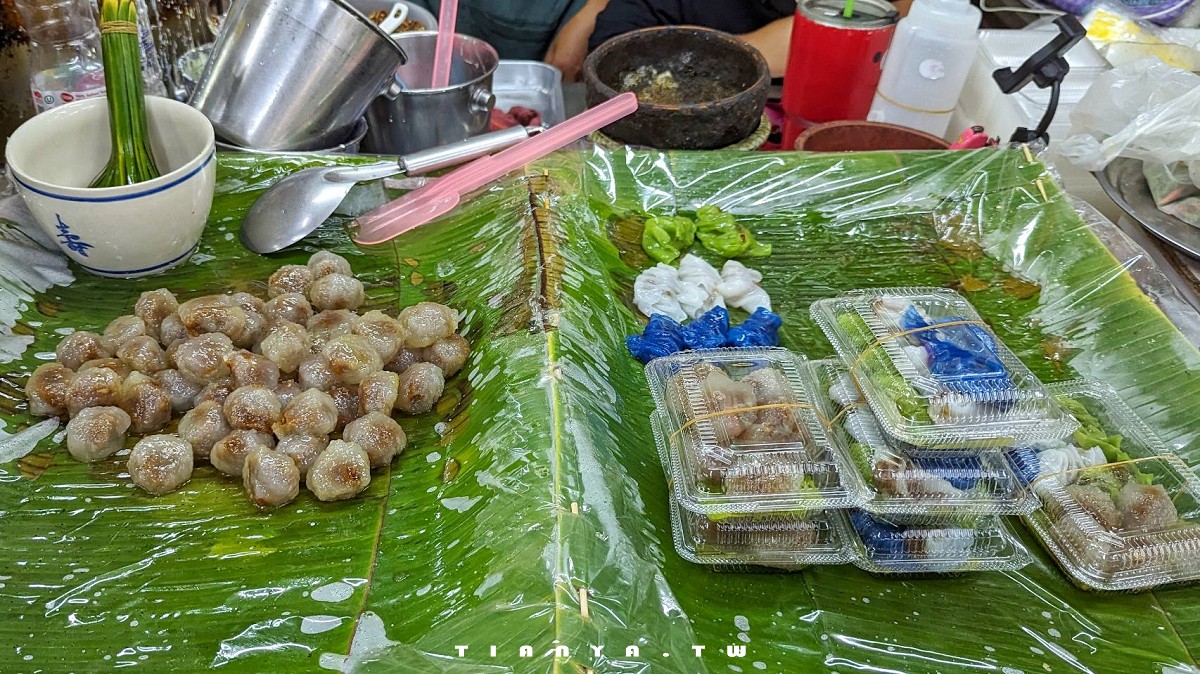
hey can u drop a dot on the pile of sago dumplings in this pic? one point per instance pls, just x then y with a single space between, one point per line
262 385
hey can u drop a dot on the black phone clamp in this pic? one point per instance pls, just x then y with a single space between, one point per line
1048 67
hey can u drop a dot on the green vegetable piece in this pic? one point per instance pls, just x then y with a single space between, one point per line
1102 477
856 328
756 248
1092 434
685 230
910 405
861 454
720 233
665 237
876 367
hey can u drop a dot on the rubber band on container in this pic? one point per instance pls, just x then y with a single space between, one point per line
910 108
739 410
845 410
118 27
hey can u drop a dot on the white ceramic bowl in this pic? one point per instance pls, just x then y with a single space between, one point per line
415 12
121 232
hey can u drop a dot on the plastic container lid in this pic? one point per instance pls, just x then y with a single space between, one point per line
885 547
1010 48
742 434
921 487
1131 522
788 541
935 388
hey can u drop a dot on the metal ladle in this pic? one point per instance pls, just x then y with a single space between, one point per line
294 207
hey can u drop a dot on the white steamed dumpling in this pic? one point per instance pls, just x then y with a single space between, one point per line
700 281
739 286
657 290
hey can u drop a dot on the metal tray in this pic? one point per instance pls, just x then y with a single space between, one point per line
1123 181
531 84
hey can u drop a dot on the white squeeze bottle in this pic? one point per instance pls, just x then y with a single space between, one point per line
927 65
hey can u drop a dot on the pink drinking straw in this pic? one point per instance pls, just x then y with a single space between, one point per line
441 196
443 53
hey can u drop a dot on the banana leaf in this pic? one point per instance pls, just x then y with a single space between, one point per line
529 512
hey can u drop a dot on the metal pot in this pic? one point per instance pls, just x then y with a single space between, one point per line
294 74
347 146
419 117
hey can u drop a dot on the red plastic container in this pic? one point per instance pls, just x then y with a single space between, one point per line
834 63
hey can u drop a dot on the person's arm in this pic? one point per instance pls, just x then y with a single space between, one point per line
772 40
623 16
570 46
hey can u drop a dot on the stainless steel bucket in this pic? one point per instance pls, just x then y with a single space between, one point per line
294 74
347 146
419 117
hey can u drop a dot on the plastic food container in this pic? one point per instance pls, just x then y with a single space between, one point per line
741 434
1129 523
936 388
787 541
885 547
918 487
531 84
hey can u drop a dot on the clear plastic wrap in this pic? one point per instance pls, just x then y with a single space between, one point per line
887 547
934 374
1144 110
922 487
529 511
1129 522
742 433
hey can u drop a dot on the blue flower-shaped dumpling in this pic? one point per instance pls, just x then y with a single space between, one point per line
1025 463
709 331
760 329
964 357
962 472
660 338
884 541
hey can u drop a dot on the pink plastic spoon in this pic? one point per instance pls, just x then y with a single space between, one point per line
440 197
443 53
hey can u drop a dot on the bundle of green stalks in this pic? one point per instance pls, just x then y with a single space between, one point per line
132 160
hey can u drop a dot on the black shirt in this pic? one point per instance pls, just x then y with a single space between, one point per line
731 16
518 29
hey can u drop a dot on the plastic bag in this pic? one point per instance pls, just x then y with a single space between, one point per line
1133 21
1143 110
1124 33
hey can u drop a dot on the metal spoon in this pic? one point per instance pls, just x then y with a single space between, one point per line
395 17
294 207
